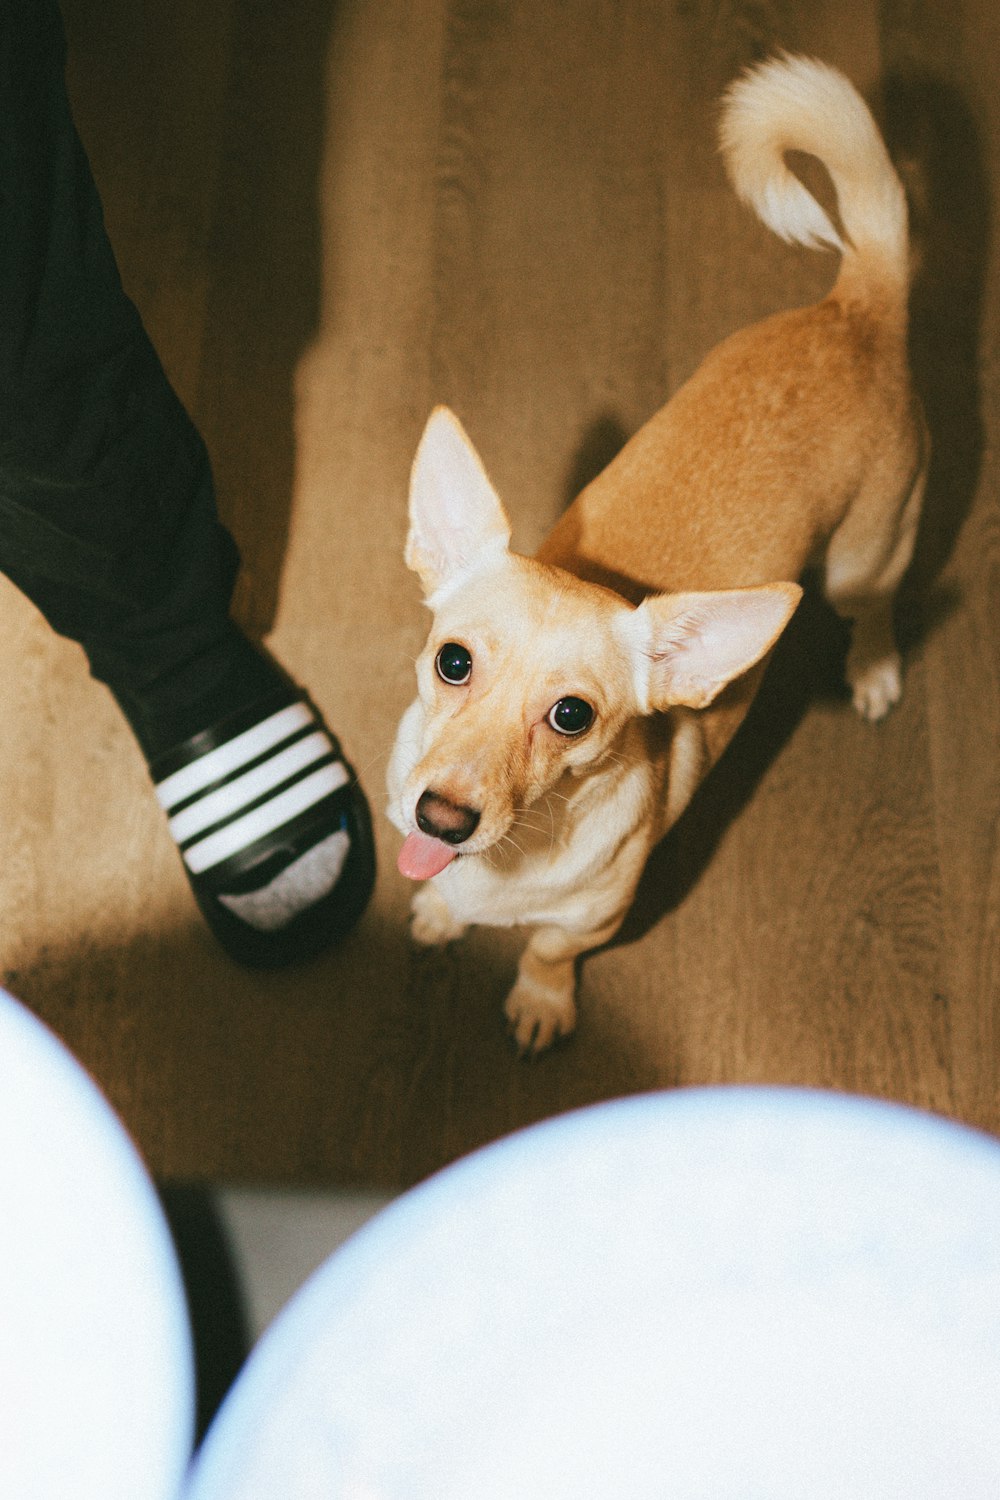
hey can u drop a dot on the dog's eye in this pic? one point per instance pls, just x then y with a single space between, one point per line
454 664
571 716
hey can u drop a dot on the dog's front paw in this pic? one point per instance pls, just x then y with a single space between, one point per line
431 922
875 687
537 1015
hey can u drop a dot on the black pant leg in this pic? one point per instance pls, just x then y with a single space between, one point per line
107 510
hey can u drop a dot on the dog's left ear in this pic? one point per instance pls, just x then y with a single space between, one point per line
692 645
456 519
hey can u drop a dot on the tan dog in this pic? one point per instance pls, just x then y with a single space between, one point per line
562 725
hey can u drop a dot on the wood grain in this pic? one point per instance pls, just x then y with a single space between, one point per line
334 216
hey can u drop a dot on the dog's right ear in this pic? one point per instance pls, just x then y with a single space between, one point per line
693 645
456 520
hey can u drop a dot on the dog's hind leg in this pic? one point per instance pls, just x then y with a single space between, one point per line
865 562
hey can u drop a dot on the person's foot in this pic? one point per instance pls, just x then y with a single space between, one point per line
273 829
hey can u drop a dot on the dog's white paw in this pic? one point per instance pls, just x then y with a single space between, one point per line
537 1015
876 687
431 922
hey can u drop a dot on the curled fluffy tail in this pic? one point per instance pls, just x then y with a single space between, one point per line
798 104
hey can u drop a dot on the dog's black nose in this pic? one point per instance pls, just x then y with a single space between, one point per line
445 820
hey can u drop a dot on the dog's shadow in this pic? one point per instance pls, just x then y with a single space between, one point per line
933 138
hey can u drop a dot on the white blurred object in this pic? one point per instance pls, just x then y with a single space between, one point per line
728 1294
96 1379
721 1294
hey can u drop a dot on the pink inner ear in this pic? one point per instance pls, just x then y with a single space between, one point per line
713 638
455 514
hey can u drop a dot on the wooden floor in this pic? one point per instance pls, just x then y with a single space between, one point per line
335 213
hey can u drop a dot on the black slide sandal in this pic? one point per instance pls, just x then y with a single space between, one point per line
273 828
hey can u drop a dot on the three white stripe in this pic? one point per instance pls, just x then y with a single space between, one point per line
227 800
281 809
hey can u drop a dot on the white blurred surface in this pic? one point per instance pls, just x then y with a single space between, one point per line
730 1294
96 1384
710 1295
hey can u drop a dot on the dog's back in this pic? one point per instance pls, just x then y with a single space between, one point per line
753 463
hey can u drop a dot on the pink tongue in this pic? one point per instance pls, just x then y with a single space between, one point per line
421 857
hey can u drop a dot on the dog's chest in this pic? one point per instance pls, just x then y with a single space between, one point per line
530 890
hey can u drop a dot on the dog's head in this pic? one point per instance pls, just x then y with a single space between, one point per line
529 674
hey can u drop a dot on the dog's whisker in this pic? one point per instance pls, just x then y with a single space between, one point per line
366 766
503 851
538 828
533 816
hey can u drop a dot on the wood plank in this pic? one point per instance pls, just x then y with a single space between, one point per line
332 219
951 122
800 960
